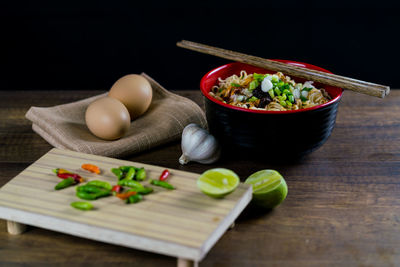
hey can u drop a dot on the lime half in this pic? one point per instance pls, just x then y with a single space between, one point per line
218 182
269 188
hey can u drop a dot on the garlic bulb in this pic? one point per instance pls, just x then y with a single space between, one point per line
198 145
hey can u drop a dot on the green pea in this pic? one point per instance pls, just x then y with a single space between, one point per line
65 183
162 184
82 205
101 184
141 174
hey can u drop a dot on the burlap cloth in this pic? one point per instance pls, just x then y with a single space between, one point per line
64 126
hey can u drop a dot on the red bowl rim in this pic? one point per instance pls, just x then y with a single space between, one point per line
300 64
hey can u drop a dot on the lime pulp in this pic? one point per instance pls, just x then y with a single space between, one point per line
218 182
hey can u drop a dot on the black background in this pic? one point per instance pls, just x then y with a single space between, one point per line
89 45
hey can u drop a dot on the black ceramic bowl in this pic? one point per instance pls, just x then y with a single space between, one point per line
273 134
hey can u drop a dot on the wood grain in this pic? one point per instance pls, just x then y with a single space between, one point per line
342 208
363 87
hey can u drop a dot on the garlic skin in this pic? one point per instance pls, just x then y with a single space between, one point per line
198 145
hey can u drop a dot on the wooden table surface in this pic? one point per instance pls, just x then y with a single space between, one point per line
342 209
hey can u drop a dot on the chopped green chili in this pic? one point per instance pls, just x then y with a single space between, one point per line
130 174
235 85
162 184
118 172
82 205
130 183
134 199
101 184
65 183
141 174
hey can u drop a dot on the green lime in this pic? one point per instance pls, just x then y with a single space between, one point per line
269 188
218 182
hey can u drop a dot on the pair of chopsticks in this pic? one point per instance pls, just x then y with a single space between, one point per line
363 87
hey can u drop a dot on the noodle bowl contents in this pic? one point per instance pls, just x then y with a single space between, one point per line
273 92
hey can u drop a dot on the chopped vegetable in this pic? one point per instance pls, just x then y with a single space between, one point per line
164 175
130 183
162 184
271 93
143 191
235 85
259 77
252 99
125 168
303 98
134 199
130 174
253 85
100 184
118 172
266 85
89 189
91 168
65 183
92 196
141 174
117 189
82 205
64 174
86 196
126 195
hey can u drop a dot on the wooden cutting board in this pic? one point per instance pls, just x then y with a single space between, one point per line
183 223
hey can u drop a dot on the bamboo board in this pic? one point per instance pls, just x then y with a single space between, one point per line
183 223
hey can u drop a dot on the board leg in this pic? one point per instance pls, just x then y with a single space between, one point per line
15 228
186 263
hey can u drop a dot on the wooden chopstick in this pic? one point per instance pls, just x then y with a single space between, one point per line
363 87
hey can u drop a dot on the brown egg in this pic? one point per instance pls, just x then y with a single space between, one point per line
135 92
107 118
